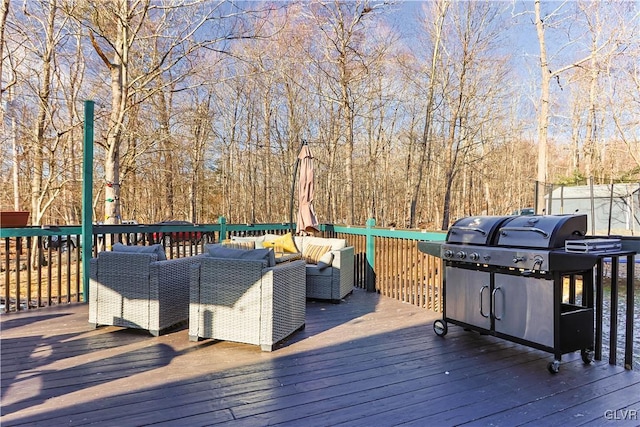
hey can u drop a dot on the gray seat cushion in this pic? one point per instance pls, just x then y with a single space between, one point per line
251 254
151 249
314 270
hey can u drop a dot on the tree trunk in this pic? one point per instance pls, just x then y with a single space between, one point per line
591 151
114 136
41 121
446 204
348 123
4 11
543 113
7 107
119 94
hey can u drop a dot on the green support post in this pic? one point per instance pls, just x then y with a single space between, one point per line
223 228
87 196
370 272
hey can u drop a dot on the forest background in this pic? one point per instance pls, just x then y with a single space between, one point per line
417 113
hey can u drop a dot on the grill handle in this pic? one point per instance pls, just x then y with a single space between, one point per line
503 230
476 229
481 292
493 298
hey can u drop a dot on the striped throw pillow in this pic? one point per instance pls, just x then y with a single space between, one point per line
234 244
313 253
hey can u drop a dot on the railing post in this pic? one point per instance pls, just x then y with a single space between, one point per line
628 338
87 196
370 252
223 228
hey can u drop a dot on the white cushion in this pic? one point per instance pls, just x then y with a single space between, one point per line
325 260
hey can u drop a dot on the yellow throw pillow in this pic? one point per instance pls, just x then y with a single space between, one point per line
283 243
313 253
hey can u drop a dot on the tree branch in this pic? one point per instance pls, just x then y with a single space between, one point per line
99 51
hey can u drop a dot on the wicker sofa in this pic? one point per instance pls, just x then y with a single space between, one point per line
135 290
244 300
331 280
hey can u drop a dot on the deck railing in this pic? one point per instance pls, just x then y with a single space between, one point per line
38 271
389 262
41 266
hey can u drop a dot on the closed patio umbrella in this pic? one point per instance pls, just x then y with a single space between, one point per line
307 221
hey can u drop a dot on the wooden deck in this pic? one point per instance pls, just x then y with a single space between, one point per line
367 361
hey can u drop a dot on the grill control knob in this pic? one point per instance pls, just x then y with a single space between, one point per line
474 256
461 254
448 253
517 259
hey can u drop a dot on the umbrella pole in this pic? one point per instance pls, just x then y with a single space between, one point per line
293 186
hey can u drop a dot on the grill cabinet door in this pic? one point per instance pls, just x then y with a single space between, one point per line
524 308
468 291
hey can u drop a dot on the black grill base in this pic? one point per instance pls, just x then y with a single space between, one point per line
572 325
576 328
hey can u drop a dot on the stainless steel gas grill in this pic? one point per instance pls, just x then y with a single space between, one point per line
504 275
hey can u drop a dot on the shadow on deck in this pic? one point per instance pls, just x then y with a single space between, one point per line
367 361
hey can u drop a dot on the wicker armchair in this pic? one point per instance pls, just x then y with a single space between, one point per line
134 290
335 282
245 301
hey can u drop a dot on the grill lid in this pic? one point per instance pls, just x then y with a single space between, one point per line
476 230
546 231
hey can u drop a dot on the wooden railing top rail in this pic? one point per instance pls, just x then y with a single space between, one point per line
438 236
63 230
629 243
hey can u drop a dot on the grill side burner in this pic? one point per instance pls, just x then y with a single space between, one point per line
504 276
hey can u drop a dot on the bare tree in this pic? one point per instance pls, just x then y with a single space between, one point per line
139 41
465 87
46 134
611 40
434 29
344 64
547 76
4 12
200 118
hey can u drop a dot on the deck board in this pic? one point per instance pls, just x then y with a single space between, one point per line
367 361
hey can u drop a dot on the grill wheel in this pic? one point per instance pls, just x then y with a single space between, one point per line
440 328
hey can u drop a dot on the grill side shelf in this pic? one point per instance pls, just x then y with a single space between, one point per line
567 261
430 248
